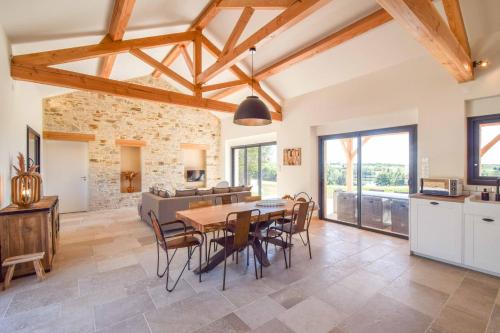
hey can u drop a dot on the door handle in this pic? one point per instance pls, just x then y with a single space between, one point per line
84 178
434 203
488 220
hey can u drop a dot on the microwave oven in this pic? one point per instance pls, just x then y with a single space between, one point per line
451 187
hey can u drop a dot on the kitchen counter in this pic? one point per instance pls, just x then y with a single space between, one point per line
459 199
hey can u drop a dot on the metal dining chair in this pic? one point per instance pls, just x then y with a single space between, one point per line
201 204
252 198
186 239
300 221
237 237
226 199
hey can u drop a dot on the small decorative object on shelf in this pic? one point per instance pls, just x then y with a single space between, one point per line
26 186
129 175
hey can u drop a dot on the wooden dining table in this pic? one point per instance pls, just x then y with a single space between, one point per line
205 219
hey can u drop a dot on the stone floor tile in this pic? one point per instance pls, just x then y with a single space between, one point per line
343 299
494 323
311 315
27 321
42 296
115 262
419 297
161 297
136 324
474 297
229 324
259 312
109 279
245 290
383 314
364 282
456 321
108 314
273 326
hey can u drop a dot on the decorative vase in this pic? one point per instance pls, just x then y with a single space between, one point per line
26 186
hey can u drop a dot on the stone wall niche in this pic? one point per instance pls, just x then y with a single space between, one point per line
195 164
130 176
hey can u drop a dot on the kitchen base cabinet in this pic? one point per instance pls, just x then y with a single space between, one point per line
482 240
437 229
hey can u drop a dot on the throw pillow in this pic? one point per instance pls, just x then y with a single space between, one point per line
247 188
220 190
205 191
236 189
185 193
164 194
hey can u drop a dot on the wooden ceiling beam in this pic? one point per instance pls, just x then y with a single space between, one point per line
61 56
456 22
207 15
256 4
238 29
162 68
68 79
122 10
197 50
424 22
241 76
187 59
338 37
224 85
227 92
293 14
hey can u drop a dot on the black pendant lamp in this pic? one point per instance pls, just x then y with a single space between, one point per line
252 111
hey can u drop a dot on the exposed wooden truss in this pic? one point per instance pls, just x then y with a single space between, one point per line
293 14
423 21
353 30
449 45
122 11
456 22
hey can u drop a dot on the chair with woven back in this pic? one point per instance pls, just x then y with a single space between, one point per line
299 223
188 239
237 236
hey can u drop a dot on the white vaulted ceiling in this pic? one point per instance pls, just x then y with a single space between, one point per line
34 25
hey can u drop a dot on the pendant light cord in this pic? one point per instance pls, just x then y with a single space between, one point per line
252 51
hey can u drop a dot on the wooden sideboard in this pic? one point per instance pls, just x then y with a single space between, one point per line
30 230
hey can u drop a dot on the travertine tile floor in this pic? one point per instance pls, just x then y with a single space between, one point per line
104 280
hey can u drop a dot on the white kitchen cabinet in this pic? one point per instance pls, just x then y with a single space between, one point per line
482 237
436 229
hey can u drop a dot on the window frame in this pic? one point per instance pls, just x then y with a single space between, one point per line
473 148
255 145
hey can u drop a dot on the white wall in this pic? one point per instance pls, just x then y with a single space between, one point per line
20 105
419 92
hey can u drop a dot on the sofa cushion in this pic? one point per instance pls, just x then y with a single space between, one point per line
185 193
205 191
220 190
236 189
247 188
164 194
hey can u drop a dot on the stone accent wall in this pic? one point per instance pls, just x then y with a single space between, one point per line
163 127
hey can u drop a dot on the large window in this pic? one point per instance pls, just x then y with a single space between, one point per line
256 165
483 166
366 178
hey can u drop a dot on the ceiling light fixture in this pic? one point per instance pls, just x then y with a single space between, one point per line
252 111
480 63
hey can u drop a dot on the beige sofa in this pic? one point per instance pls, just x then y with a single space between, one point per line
165 208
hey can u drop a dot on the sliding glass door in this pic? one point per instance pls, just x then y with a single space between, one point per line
256 165
366 178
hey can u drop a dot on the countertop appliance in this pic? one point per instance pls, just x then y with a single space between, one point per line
451 187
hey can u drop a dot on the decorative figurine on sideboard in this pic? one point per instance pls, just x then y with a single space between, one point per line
26 185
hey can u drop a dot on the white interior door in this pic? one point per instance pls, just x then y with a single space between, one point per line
65 173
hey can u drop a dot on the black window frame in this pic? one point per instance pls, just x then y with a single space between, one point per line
259 145
473 148
412 131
